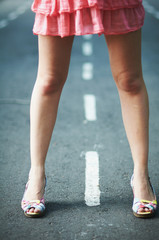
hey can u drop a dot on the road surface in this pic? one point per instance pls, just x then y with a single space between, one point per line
89 137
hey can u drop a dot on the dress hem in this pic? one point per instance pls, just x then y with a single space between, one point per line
92 20
95 32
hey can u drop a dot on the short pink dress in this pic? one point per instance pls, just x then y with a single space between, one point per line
80 17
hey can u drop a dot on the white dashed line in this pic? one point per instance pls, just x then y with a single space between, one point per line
92 191
87 71
13 15
22 9
87 49
90 107
14 101
87 37
150 9
3 23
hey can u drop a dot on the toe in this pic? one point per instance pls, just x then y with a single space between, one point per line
140 210
147 210
31 210
143 210
36 210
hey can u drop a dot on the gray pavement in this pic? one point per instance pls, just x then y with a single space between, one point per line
67 215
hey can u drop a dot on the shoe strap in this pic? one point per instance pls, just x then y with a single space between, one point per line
146 201
35 201
151 205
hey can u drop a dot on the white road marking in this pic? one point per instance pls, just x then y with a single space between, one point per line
90 107
87 37
92 191
22 9
13 15
14 101
87 49
87 71
3 23
150 9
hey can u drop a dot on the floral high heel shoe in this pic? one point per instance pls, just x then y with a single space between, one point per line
36 204
140 203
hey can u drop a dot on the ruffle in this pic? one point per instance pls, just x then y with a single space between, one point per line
55 7
90 21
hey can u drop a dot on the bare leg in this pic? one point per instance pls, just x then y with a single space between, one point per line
125 60
54 58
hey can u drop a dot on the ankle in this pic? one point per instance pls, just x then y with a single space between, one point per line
37 171
141 172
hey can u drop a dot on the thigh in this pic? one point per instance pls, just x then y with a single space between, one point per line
125 54
54 55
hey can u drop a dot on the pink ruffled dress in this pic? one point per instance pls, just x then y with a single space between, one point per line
80 17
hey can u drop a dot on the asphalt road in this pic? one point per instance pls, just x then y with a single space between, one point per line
67 215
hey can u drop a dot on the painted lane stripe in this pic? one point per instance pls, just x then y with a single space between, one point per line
87 49
150 9
92 191
87 37
13 15
3 23
87 71
90 107
22 9
14 101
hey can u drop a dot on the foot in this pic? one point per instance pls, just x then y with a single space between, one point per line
142 189
36 188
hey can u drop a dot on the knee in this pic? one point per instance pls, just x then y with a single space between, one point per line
129 82
50 84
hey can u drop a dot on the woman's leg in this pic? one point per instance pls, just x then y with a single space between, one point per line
125 60
54 59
